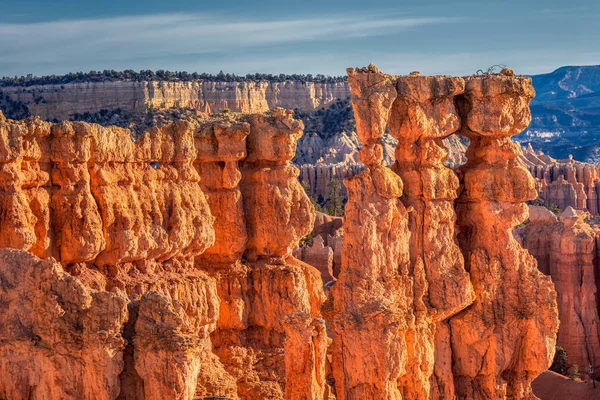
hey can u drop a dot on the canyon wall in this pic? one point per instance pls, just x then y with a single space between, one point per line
63 101
567 250
162 267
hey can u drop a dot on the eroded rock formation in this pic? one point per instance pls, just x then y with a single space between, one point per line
161 267
130 226
414 313
63 101
59 339
564 183
507 337
373 296
421 117
566 248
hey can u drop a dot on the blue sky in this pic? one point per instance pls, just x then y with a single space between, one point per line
434 37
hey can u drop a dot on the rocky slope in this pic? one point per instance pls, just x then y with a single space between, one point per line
161 267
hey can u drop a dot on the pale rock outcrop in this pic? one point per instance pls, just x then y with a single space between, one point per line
568 247
535 240
62 101
507 337
565 183
325 253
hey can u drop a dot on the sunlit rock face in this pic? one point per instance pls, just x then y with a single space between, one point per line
440 318
162 267
566 248
186 232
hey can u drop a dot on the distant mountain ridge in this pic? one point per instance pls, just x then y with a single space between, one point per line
566 113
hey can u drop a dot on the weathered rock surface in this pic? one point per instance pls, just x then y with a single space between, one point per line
59 339
568 248
319 256
422 116
63 101
372 298
507 337
174 275
164 221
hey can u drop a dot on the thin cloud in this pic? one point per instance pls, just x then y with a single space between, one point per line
135 37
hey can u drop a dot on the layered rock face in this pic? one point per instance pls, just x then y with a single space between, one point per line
66 100
430 323
421 117
568 247
506 338
566 183
173 276
162 268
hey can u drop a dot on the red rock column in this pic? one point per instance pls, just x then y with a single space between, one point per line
278 212
220 146
507 337
423 115
373 296
305 356
261 288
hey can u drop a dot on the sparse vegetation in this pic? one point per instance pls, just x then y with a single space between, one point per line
307 241
136 122
12 109
328 121
160 75
335 201
573 371
550 206
314 202
559 364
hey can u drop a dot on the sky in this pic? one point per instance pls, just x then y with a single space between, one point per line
455 37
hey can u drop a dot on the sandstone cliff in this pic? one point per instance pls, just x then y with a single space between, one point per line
566 248
66 100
